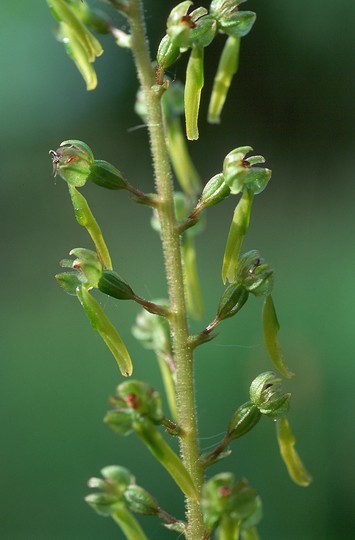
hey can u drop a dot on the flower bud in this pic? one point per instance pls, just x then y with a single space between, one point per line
140 501
106 175
243 420
113 285
254 275
168 52
204 31
266 393
215 191
232 300
237 24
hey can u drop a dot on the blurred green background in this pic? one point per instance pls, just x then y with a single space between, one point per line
293 101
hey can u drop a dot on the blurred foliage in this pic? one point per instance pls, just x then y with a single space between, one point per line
293 99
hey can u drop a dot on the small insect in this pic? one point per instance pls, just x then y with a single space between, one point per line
55 160
59 156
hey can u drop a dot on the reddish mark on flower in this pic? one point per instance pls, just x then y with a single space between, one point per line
70 159
245 163
132 401
224 491
187 19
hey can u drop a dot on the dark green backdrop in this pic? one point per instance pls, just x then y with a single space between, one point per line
293 102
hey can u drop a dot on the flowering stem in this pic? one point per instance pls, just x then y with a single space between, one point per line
173 265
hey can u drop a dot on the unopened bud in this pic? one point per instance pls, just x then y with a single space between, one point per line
232 301
140 501
167 53
243 420
215 191
113 285
106 175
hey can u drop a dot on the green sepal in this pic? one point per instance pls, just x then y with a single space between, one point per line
193 87
120 420
69 281
294 465
119 476
113 285
81 146
103 503
85 218
237 232
106 175
107 331
271 329
227 68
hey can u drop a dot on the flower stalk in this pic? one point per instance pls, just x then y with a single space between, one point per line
173 263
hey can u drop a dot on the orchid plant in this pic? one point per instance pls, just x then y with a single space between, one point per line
217 506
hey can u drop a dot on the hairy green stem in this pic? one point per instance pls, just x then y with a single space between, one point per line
183 354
